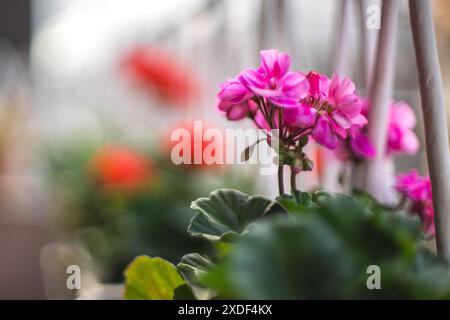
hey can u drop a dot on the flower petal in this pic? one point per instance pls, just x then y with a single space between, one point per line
294 85
250 77
361 146
284 102
323 132
341 119
301 116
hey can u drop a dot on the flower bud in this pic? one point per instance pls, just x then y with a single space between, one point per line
297 165
308 165
303 141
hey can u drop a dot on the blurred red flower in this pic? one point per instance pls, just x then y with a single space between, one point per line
159 72
196 131
121 168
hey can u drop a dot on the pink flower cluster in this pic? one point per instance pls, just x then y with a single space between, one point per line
298 104
417 190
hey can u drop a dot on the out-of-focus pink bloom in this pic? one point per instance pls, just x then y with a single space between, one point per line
273 80
401 137
361 146
418 190
428 218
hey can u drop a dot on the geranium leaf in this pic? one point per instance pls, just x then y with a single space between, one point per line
226 213
192 266
148 278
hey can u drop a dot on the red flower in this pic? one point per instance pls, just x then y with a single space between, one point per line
157 71
120 167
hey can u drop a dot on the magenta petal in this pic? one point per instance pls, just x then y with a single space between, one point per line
318 83
268 59
284 102
261 121
237 112
340 87
284 63
323 133
266 93
359 121
341 120
250 77
223 105
362 147
294 85
350 105
274 63
234 92
341 132
301 116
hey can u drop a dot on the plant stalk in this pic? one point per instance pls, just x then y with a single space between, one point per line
280 180
293 180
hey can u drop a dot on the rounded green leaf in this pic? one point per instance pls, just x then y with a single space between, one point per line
226 213
148 278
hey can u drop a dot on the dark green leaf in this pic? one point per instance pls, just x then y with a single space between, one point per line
226 213
183 292
193 265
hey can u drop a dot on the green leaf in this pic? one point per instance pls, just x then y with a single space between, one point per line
325 254
149 278
183 292
226 213
297 202
302 198
283 259
193 265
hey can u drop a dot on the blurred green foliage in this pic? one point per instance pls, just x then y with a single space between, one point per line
117 226
318 246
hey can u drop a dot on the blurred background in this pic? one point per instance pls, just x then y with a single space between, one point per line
89 93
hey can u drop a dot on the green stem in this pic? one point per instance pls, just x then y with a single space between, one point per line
293 181
280 180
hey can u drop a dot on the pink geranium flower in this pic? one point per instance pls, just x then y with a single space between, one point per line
337 105
273 80
417 190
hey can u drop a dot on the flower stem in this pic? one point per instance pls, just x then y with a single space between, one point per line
293 181
280 180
